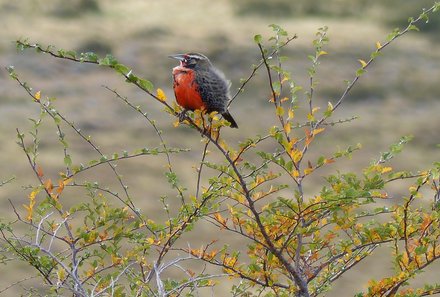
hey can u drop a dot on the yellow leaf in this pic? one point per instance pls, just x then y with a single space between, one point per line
161 95
116 260
240 198
176 123
386 169
378 45
413 190
37 96
315 109
363 63
295 173
150 240
317 131
321 53
291 114
404 259
90 272
296 155
307 171
30 207
329 106
280 111
33 194
67 181
287 128
61 274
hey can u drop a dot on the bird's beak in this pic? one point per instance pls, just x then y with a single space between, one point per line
179 57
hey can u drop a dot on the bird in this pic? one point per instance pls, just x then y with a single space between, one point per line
200 85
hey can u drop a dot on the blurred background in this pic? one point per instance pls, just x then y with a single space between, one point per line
398 96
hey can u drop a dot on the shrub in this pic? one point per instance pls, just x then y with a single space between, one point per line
293 243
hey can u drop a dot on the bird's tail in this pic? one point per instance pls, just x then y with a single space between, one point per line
230 119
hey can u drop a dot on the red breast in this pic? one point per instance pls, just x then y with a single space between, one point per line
186 89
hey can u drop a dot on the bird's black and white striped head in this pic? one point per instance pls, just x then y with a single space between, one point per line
193 60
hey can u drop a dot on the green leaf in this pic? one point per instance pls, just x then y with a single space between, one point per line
68 161
121 68
61 53
321 161
413 28
289 165
145 84
131 77
89 57
109 60
257 38
360 72
93 162
71 54
420 250
11 71
375 54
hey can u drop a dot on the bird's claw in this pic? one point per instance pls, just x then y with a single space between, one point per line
182 116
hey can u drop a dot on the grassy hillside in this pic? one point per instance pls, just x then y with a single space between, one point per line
398 96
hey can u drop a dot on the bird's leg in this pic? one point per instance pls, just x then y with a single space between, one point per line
208 127
182 115
205 127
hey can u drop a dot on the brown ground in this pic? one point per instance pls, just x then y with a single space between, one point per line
398 96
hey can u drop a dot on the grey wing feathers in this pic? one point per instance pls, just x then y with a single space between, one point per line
214 89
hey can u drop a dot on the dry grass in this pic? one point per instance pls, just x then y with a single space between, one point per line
398 96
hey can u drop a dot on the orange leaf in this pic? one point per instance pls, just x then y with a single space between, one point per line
329 161
60 186
48 185
116 260
103 235
40 171
220 219
426 221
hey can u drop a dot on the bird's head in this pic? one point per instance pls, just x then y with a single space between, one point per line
193 60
